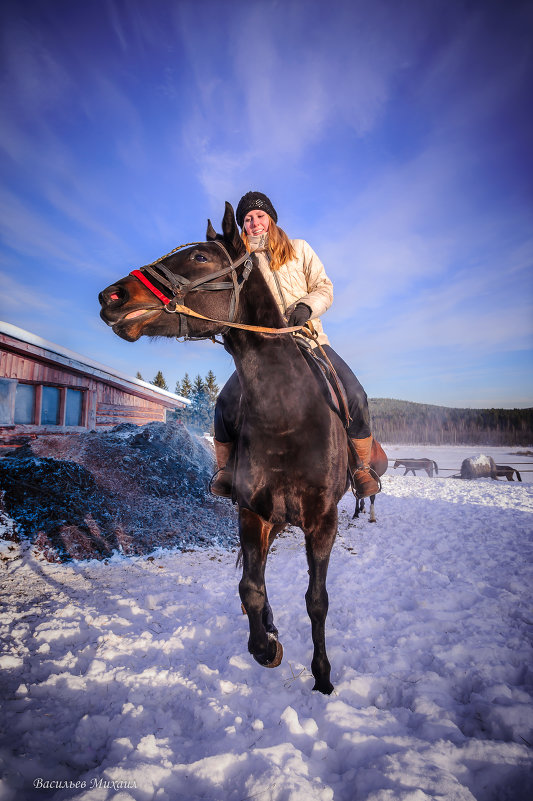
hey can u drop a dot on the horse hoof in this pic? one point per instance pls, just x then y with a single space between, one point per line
326 688
277 657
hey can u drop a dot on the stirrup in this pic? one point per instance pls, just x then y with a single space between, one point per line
221 483
373 482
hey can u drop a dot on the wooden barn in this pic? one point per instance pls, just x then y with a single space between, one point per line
45 388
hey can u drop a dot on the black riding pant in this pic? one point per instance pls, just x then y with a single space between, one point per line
228 401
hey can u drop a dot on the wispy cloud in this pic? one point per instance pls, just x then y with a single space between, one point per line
394 140
283 91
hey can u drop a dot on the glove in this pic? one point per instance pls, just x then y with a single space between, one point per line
299 315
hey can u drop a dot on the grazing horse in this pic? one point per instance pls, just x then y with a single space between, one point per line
417 464
290 459
379 463
503 470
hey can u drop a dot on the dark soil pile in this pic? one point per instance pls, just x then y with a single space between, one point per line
131 489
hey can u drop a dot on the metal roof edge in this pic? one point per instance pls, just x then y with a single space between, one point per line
32 339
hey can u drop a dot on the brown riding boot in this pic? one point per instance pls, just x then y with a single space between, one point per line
222 482
364 479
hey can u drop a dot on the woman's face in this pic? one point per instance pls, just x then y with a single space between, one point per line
256 222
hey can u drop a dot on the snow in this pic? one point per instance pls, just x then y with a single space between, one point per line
129 678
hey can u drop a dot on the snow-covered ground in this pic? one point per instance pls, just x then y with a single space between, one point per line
130 678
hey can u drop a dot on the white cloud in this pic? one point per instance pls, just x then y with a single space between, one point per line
283 87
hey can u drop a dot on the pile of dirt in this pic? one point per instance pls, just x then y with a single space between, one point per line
131 489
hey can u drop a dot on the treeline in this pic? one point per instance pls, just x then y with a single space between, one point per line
202 393
393 421
404 422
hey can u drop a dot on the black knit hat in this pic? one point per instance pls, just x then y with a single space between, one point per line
251 201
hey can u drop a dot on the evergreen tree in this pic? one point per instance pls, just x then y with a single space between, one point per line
203 394
185 387
198 387
139 376
159 381
211 387
200 409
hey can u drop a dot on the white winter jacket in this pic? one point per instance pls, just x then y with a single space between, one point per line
301 280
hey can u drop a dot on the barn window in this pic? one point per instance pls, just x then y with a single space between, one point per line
50 406
73 407
24 404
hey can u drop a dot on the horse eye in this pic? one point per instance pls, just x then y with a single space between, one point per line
199 257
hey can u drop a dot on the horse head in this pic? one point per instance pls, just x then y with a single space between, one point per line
152 300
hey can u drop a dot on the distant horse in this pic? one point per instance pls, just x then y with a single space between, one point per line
503 470
379 463
417 464
291 461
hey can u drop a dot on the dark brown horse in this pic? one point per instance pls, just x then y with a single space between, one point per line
504 471
379 463
291 454
417 464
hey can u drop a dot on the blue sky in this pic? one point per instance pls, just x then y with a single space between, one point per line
394 136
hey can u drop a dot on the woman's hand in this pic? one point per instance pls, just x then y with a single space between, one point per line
299 315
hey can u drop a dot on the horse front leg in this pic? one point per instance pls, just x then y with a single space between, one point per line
256 536
319 543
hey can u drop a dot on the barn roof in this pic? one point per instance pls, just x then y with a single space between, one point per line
32 344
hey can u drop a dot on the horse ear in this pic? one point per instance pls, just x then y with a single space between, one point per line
230 229
210 233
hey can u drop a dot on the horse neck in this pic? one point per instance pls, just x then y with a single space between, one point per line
257 305
264 362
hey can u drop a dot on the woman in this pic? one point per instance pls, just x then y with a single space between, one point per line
302 290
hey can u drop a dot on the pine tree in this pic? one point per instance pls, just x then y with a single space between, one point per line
139 376
203 394
198 386
159 381
211 387
185 387
201 416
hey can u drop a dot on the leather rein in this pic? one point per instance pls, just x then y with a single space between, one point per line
178 287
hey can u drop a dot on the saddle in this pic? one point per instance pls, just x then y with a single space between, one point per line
327 379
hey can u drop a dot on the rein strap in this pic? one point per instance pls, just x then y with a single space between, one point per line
178 309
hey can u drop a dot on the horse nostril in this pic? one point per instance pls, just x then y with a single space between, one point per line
111 295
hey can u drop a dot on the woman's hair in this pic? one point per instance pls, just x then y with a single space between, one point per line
278 245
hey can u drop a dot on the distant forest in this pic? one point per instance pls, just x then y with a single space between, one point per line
403 422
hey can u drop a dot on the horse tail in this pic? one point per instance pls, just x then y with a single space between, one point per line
435 465
518 476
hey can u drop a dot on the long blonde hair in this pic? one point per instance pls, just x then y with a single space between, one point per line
278 245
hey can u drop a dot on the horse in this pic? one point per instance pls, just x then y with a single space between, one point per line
503 470
379 463
417 464
291 455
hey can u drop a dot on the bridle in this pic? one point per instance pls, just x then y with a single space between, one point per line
178 287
